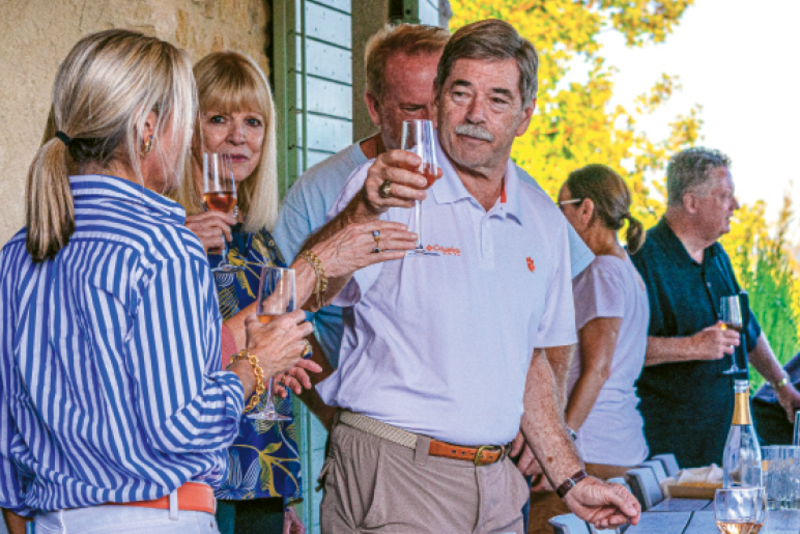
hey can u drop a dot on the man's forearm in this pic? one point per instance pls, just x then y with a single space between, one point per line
668 349
559 359
543 425
765 362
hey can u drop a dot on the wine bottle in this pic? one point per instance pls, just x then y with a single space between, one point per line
741 460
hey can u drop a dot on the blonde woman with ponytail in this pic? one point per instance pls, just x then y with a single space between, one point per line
111 391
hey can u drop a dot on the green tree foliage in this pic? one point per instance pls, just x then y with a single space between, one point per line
575 123
767 270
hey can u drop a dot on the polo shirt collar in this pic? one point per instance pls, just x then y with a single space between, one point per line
449 188
100 185
673 244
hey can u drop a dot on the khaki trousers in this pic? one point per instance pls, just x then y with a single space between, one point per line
546 505
374 485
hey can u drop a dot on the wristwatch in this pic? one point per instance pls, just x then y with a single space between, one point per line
780 383
570 483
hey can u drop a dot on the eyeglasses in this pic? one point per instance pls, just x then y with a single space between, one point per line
562 203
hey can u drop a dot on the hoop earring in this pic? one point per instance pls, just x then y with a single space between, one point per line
146 146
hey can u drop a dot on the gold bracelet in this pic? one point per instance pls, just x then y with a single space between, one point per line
258 371
319 269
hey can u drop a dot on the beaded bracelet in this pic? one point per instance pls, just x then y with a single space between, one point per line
245 355
319 269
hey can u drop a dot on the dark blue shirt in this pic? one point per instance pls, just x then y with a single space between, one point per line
687 406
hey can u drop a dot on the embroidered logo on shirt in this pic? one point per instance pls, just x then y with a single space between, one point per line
531 265
452 251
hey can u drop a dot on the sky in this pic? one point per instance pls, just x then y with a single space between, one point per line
740 60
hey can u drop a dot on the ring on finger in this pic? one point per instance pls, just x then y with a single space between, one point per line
376 250
385 189
307 349
376 235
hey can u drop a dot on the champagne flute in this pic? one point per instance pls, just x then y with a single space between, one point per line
740 510
219 194
276 296
418 138
731 317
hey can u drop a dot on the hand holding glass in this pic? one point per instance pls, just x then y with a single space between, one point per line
731 317
418 138
219 194
276 296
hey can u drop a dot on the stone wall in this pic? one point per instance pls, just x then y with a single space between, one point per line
38 34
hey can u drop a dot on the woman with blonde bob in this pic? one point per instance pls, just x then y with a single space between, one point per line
237 119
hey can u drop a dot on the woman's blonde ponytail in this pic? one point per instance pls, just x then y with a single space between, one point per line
49 211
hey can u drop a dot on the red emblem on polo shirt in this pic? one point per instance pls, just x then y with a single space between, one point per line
531 265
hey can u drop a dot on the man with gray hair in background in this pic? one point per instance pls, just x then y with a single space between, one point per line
686 397
442 358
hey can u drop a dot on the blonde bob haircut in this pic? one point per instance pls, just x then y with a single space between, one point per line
103 93
229 82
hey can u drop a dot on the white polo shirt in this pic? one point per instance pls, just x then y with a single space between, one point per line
441 345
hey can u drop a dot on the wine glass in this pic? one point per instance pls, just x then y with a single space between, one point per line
418 138
276 296
219 194
740 510
731 316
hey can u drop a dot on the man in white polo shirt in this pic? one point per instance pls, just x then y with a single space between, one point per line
438 368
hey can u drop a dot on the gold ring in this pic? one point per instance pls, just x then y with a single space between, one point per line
376 235
307 350
385 190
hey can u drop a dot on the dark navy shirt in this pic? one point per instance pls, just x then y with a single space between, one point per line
687 406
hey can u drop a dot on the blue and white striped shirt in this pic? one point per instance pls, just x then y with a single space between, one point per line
110 388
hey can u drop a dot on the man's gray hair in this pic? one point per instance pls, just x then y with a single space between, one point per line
689 170
492 40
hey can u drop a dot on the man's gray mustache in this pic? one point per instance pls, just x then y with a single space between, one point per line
473 130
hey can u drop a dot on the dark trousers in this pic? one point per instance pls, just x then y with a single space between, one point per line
255 516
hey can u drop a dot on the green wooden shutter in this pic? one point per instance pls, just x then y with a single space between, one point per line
313 65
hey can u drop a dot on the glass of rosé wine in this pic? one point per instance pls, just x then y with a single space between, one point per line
418 138
276 296
219 194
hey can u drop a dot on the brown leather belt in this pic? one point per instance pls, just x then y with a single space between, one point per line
483 455
192 497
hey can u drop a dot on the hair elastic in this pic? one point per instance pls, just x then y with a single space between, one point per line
63 137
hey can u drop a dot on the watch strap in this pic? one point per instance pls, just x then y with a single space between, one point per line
570 483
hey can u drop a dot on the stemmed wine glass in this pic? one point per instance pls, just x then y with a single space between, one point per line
418 138
731 317
219 194
276 296
740 510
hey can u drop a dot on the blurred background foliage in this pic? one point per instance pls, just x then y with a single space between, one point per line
576 124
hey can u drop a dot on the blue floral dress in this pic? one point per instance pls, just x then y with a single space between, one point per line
263 462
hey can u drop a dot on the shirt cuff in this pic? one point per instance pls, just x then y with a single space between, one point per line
233 390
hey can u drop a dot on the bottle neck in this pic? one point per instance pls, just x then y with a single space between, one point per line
741 408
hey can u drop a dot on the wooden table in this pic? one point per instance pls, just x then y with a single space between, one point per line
702 522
